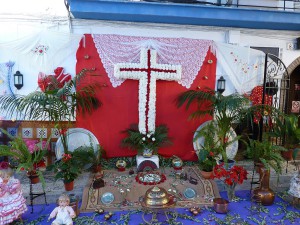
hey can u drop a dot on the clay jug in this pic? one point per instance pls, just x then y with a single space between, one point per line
264 194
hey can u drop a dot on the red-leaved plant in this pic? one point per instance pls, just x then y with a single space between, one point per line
235 175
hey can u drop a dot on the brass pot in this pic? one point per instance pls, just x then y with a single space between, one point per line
158 197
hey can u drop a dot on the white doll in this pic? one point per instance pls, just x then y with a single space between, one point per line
63 213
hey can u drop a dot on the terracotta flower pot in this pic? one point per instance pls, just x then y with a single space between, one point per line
205 174
33 176
287 155
69 186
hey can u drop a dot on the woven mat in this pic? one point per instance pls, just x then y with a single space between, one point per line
116 182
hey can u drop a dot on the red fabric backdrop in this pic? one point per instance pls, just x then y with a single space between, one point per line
120 107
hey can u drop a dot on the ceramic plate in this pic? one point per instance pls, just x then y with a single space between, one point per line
76 137
107 198
189 193
231 150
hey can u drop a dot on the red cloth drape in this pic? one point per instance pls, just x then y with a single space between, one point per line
120 107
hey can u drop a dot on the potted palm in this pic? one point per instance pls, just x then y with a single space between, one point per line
265 156
26 157
226 111
285 127
146 144
54 103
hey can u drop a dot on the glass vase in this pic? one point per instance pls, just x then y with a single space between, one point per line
230 192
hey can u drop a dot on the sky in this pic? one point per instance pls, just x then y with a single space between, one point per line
36 8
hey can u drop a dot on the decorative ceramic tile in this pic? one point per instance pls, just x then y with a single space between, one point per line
13 131
54 133
41 132
295 107
27 133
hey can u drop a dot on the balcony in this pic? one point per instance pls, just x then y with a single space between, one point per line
254 14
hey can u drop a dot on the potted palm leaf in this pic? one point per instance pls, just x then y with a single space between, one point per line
286 128
226 112
26 158
54 103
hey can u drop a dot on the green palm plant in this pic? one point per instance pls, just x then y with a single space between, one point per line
21 155
226 111
267 153
58 105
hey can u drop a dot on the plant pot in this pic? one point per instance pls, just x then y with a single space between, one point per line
230 163
69 185
147 153
287 155
33 176
206 174
97 169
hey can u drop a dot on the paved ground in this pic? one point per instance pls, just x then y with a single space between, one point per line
55 188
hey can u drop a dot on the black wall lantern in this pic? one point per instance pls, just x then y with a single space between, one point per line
18 80
221 85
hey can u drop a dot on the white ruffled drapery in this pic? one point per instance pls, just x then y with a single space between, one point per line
244 66
44 50
189 53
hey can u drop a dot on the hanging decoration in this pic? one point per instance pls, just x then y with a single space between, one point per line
52 82
189 53
244 66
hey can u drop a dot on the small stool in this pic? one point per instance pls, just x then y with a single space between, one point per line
33 195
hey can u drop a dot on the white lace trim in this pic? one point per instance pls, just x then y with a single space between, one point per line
189 53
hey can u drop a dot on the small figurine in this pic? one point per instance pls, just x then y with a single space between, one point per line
12 202
63 213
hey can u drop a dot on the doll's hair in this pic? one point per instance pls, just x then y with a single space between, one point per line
64 197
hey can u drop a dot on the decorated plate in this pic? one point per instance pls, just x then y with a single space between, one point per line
189 193
231 149
107 198
76 137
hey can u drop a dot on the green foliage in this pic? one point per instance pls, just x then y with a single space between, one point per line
18 151
67 168
54 105
286 127
138 141
226 111
267 153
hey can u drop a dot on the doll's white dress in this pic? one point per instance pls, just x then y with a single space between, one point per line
12 202
63 215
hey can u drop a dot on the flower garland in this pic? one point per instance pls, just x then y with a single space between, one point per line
140 71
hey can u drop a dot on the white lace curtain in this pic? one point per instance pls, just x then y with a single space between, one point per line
189 53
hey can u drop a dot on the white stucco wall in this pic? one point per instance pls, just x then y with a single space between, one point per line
17 28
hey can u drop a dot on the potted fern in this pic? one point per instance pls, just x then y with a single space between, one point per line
286 128
146 144
26 158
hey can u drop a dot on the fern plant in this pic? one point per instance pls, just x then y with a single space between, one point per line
153 141
267 153
21 155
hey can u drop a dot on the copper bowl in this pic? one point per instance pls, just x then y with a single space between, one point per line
221 205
